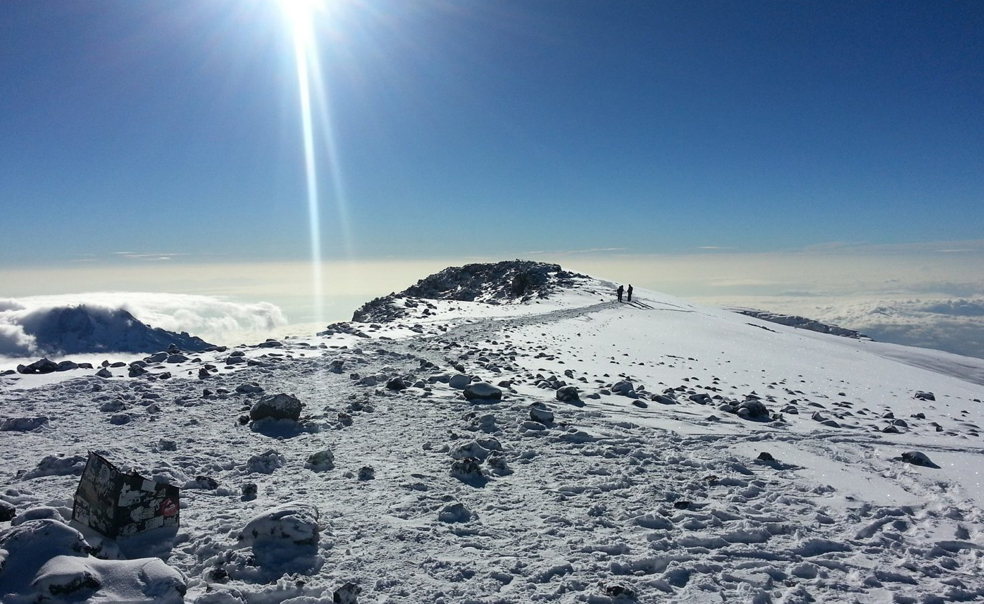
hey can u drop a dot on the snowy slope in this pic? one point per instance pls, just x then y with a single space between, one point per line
645 487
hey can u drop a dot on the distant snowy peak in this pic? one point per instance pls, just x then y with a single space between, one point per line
802 323
84 329
499 283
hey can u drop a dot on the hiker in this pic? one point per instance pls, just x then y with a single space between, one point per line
630 293
619 292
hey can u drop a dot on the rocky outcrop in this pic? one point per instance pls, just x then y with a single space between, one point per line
498 283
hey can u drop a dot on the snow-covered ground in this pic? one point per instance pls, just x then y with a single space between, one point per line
644 486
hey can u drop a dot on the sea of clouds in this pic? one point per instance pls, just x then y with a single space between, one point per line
213 319
954 324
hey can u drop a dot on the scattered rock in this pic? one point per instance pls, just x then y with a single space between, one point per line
624 388
397 384
468 470
266 462
367 473
765 456
277 406
346 594
454 512
924 396
567 394
918 458
38 367
753 409
321 461
540 413
249 491
482 391
459 381
249 388
7 511
23 424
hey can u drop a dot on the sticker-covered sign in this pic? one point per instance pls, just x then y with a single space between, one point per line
119 505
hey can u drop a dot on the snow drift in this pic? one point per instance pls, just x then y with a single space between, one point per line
557 448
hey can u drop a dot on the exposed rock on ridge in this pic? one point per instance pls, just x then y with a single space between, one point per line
803 323
501 282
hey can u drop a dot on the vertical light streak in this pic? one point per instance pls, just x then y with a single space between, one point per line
301 39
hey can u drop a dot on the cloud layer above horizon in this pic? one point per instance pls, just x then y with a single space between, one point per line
210 318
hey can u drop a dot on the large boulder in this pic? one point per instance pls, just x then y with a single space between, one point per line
482 391
277 406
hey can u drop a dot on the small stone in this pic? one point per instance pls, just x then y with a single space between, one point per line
765 456
540 413
918 458
7 511
367 473
454 512
346 594
567 394
320 461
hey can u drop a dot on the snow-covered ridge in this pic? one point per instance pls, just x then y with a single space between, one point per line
565 449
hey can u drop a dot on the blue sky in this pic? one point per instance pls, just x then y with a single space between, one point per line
488 128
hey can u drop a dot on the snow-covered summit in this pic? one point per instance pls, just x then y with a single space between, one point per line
511 281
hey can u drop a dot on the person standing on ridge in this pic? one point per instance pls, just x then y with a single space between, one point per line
619 292
629 291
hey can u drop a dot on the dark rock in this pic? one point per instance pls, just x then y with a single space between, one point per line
7 511
249 491
277 406
918 458
321 461
367 473
249 388
396 384
620 592
753 409
681 505
765 456
38 367
482 391
346 594
567 394
925 396
468 470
